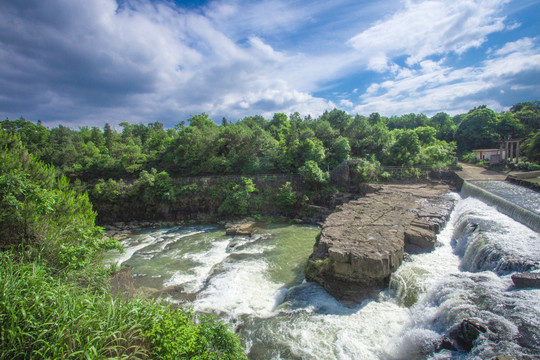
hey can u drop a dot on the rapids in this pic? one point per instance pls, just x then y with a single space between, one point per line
257 285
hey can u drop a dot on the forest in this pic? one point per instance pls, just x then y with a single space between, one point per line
261 166
55 183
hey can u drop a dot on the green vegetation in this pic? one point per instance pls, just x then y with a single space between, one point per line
156 173
54 296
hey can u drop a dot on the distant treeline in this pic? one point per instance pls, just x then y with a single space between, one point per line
282 144
135 168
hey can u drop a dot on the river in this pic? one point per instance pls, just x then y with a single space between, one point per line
257 285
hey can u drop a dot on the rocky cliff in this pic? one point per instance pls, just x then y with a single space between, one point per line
364 240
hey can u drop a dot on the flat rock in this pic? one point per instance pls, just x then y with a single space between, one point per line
364 240
527 280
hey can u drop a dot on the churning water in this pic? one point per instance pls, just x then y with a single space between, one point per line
257 284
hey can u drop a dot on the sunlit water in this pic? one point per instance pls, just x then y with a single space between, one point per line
257 285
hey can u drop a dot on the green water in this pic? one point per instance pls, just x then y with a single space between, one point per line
191 256
256 284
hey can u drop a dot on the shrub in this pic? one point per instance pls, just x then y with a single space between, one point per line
176 336
286 197
237 200
40 212
469 158
526 166
312 175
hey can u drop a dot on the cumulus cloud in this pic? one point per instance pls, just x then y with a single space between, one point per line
94 60
412 48
435 86
426 28
89 62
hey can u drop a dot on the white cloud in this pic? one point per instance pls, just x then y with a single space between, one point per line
90 61
521 45
346 103
435 87
149 60
426 28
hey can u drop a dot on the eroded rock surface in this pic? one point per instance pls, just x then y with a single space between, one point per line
364 241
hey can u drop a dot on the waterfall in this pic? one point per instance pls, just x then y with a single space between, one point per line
468 277
487 240
257 284
516 212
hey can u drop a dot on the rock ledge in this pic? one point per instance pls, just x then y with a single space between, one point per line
364 241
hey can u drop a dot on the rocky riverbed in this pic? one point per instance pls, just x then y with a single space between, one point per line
365 240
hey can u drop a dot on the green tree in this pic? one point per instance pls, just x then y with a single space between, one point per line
338 119
339 152
532 147
280 126
509 127
438 153
477 130
366 139
236 202
444 125
528 114
286 198
34 137
40 211
405 149
426 134
201 121
312 175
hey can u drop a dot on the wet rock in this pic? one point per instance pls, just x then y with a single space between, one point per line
446 344
240 229
418 239
364 240
466 333
526 280
529 337
504 357
173 291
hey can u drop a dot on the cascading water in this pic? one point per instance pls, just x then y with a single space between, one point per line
257 284
520 203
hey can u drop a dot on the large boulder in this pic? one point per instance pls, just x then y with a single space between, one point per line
364 241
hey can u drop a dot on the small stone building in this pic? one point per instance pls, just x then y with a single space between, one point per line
495 156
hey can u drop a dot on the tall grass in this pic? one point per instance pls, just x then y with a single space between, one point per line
43 317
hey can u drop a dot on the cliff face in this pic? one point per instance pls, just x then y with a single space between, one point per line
364 241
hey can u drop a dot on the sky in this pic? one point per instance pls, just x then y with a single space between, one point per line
89 62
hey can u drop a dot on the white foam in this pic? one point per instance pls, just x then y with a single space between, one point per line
130 250
243 288
195 279
145 240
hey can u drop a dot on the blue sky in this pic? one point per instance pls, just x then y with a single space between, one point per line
87 62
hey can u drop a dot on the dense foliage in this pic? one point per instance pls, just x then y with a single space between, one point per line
255 145
157 172
54 301
40 212
54 298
